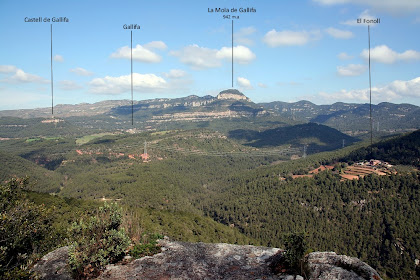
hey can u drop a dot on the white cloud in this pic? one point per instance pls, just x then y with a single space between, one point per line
344 56
351 70
394 91
262 85
386 55
197 57
241 37
141 53
275 38
121 84
58 58
344 95
409 55
244 83
200 57
241 54
68 85
338 33
21 76
364 15
156 45
81 72
8 69
175 74
391 6
405 88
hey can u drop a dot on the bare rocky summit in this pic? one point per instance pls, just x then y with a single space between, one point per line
232 94
182 260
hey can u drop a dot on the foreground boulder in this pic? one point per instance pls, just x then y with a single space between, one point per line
53 266
329 265
181 260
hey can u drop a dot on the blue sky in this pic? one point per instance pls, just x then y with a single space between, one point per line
285 51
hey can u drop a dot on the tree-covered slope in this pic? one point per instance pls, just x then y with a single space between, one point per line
375 218
316 137
398 150
13 166
13 127
197 176
177 225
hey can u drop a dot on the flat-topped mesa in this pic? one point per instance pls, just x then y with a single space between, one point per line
232 94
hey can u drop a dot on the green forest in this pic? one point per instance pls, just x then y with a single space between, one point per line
200 185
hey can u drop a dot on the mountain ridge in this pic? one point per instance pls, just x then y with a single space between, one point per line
194 111
200 100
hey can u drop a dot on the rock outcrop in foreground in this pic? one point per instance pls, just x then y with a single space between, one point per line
181 260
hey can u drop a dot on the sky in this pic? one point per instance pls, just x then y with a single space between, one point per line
283 50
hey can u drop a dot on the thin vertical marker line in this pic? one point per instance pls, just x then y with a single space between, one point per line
232 53
132 100
52 83
370 94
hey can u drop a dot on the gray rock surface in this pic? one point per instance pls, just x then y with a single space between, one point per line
54 265
329 265
181 260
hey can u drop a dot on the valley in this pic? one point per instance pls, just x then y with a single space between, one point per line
226 169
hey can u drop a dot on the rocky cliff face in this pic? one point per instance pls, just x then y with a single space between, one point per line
181 260
232 94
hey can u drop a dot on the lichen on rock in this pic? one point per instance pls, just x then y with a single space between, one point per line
183 260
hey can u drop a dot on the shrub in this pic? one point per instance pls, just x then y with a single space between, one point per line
295 247
292 259
147 247
98 241
25 230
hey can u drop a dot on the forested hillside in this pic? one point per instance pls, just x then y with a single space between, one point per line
399 150
34 224
375 218
203 185
141 219
316 137
12 127
13 166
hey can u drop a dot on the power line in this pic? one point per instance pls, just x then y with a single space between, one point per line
232 53
132 102
52 83
370 94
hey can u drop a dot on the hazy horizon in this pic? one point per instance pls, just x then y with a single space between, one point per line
137 101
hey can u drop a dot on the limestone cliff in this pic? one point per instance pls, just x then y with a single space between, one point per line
181 260
232 94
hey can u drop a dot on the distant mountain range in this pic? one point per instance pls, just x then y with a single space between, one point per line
352 118
195 111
